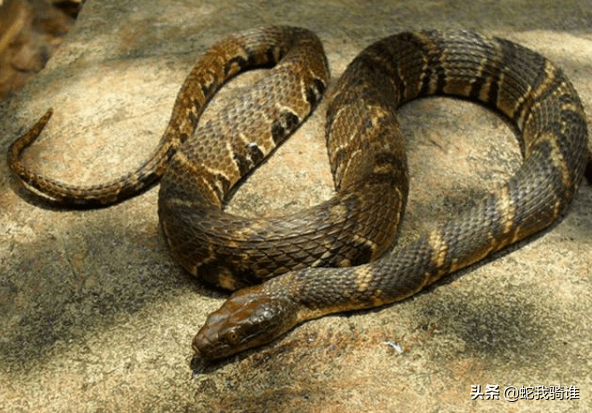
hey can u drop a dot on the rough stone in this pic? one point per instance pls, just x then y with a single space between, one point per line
94 315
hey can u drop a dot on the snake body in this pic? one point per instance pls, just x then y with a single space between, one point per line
366 151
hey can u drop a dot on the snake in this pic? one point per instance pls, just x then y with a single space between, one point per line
337 256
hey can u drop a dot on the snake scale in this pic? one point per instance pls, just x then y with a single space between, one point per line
328 259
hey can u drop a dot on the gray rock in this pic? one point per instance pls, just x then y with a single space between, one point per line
94 315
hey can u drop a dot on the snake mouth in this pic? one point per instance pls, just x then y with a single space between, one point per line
203 345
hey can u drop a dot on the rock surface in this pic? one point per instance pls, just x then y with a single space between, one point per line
94 315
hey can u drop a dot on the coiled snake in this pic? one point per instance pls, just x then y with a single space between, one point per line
200 162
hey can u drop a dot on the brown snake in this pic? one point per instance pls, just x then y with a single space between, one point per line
366 151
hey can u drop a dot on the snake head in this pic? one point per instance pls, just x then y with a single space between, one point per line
249 318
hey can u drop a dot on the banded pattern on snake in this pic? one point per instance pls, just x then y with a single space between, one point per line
366 151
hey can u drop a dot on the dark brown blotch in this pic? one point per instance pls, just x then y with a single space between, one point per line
284 125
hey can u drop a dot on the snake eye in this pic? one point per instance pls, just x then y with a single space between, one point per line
233 336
